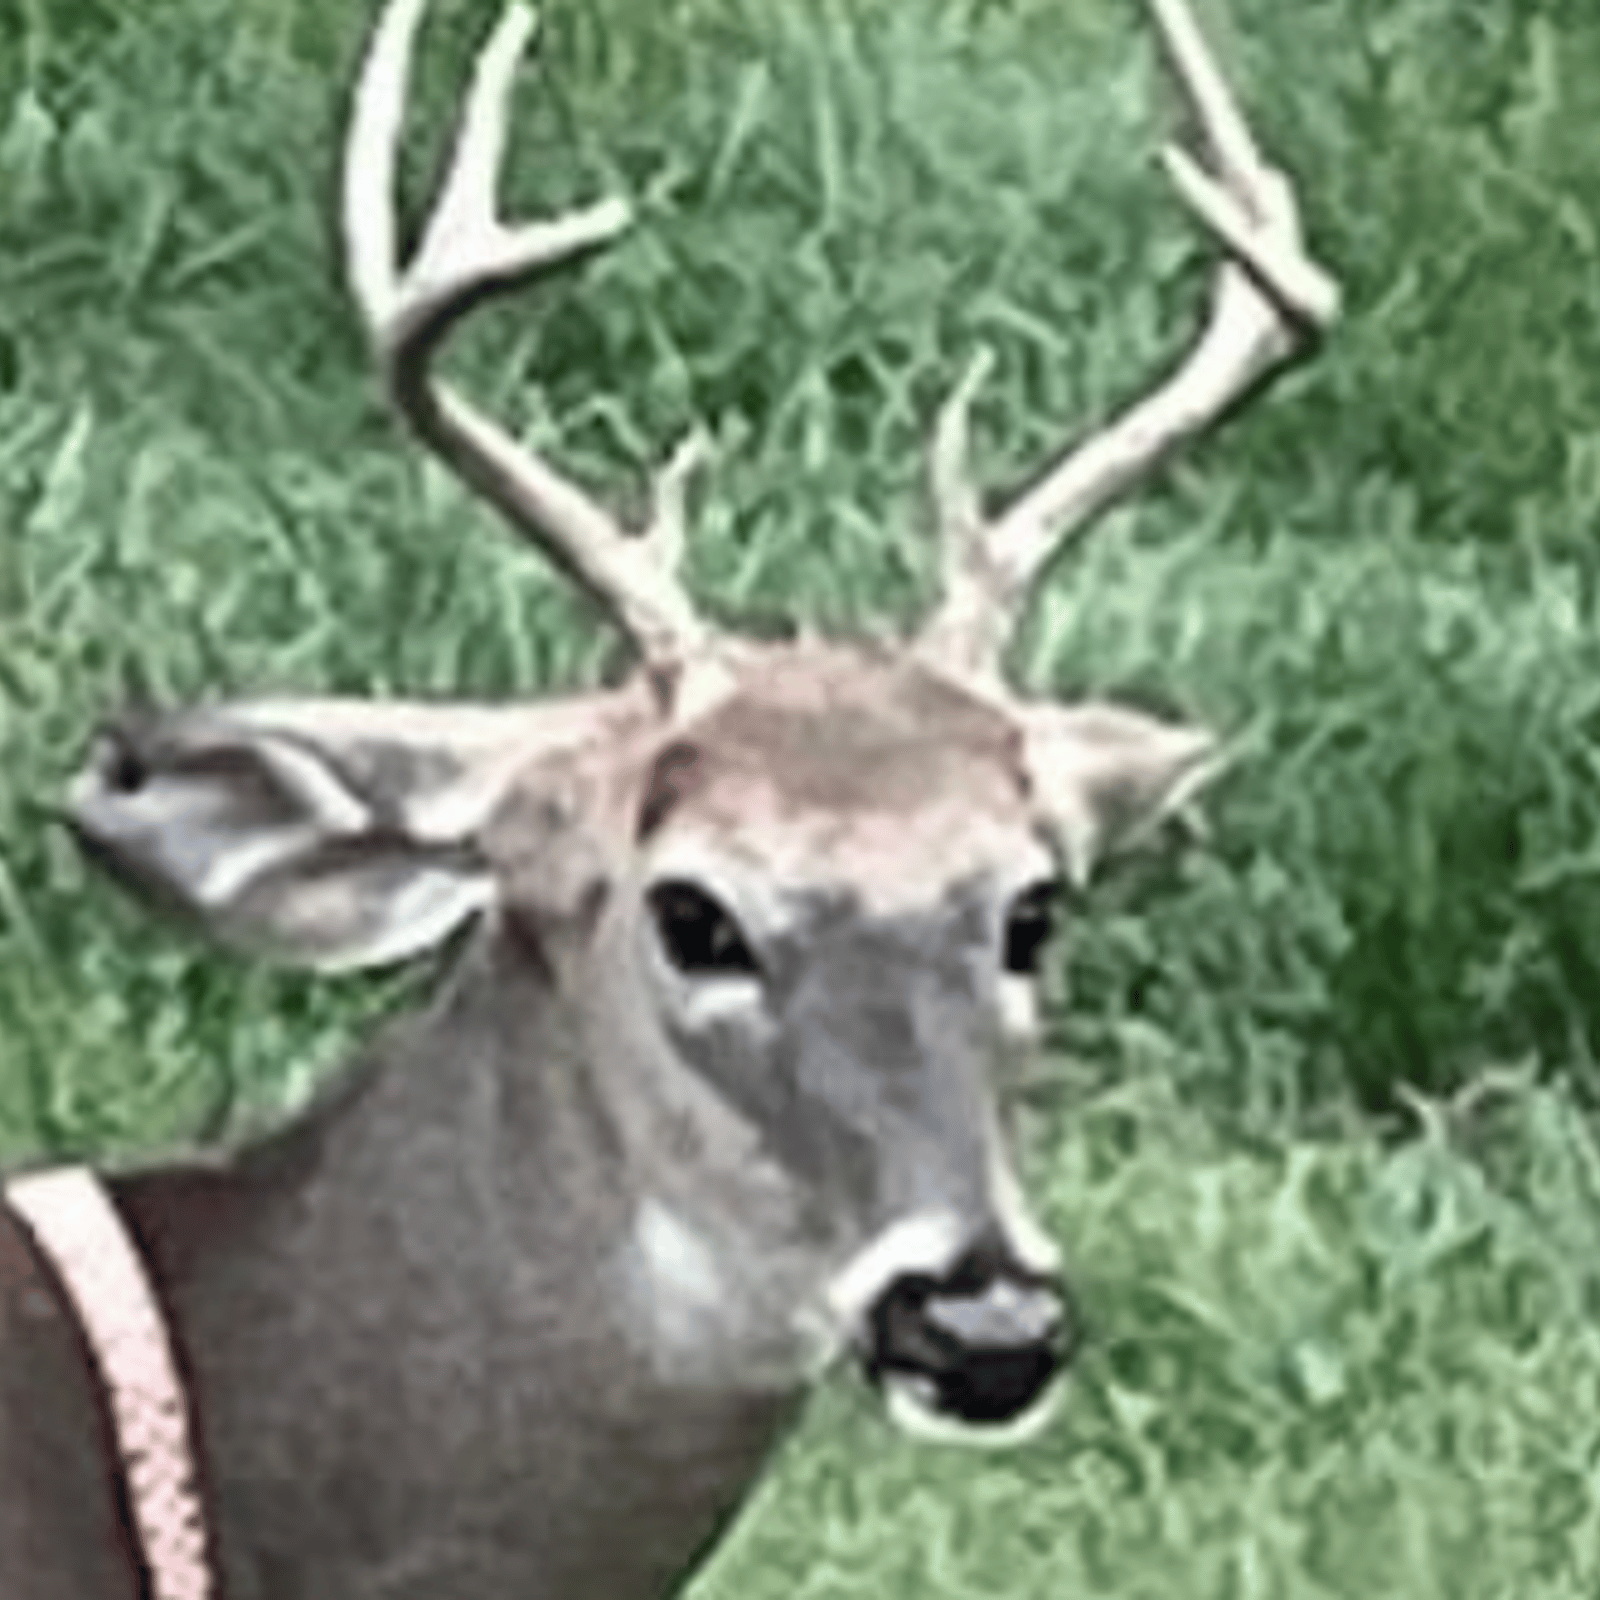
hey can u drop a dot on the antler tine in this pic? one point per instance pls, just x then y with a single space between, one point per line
1269 297
466 252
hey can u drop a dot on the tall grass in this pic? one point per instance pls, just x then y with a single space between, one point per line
1340 1336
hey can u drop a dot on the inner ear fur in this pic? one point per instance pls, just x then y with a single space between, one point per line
327 834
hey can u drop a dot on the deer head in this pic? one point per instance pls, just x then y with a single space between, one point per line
801 885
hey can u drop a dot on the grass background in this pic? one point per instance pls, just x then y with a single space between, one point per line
1317 1125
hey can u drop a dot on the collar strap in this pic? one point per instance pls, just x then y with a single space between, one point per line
78 1228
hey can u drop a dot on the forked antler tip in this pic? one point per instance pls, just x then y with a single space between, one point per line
467 249
398 19
1270 296
1222 124
1260 229
1248 204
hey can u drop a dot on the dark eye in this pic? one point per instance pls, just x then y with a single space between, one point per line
697 934
1029 924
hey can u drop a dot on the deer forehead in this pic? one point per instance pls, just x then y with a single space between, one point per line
746 833
875 777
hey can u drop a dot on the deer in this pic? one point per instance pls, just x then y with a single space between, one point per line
708 1101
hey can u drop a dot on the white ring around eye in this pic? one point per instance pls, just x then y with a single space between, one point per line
1019 1007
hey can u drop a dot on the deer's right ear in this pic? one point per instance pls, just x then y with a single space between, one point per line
319 833
1106 775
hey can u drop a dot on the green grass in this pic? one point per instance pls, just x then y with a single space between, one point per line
1335 1368
1341 1339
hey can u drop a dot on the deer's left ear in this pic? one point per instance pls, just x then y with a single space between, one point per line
1104 777
321 833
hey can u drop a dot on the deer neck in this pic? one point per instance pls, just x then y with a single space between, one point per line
478 1149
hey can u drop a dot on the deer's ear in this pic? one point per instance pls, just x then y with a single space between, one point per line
321 833
1105 777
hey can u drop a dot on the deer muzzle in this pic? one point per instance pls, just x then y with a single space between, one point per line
979 1344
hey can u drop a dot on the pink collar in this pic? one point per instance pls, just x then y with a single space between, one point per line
77 1227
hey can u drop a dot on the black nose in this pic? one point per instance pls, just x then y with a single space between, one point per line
979 1344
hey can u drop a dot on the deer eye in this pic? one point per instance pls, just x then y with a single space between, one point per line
698 935
1029 923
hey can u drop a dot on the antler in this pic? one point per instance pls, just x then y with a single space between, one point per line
1270 297
467 252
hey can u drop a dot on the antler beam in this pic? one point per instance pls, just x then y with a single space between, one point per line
1269 298
467 252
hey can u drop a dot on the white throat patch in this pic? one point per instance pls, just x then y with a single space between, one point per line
704 1320
681 1266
